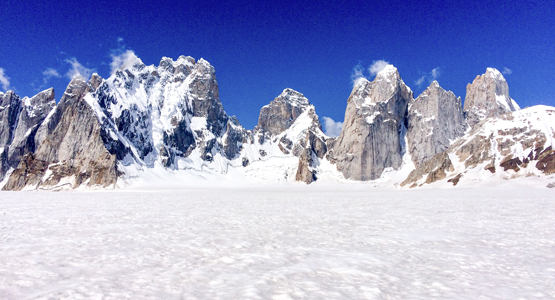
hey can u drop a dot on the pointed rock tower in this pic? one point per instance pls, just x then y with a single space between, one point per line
372 137
488 96
435 121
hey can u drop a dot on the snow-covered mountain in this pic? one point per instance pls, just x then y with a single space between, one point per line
516 144
168 120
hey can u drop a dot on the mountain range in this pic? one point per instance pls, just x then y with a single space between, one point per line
107 133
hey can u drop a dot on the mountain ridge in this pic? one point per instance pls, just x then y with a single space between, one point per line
107 132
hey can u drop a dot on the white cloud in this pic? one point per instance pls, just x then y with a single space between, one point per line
332 128
420 81
51 73
124 60
377 66
78 69
357 74
4 80
435 73
507 71
428 77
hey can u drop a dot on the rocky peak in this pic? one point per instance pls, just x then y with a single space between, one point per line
40 104
435 119
387 83
282 112
389 72
34 112
293 97
488 96
95 81
372 137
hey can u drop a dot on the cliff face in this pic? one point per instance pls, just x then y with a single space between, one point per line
72 152
488 97
435 120
20 121
372 137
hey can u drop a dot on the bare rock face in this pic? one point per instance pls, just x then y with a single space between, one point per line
234 138
287 120
21 119
10 108
488 96
291 122
512 145
35 110
282 112
309 160
73 153
372 137
433 169
435 120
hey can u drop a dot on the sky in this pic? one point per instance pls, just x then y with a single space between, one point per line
259 48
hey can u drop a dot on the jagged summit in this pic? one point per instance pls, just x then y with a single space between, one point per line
388 72
494 73
282 112
168 120
295 98
387 83
372 136
488 96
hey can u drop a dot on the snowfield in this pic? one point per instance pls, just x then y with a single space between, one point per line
332 241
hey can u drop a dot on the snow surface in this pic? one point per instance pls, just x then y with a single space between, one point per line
502 100
280 242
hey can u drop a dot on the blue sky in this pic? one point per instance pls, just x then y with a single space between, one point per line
260 48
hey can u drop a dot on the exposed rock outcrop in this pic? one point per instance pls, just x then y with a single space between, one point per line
287 120
435 120
10 108
291 122
512 145
372 137
20 120
309 160
488 96
433 169
281 113
73 153
35 110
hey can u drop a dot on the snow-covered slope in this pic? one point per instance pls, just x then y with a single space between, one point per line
516 144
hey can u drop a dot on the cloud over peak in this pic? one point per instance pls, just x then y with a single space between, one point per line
77 69
377 66
428 77
4 80
124 60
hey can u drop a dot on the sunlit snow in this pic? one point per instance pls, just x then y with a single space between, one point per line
332 241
